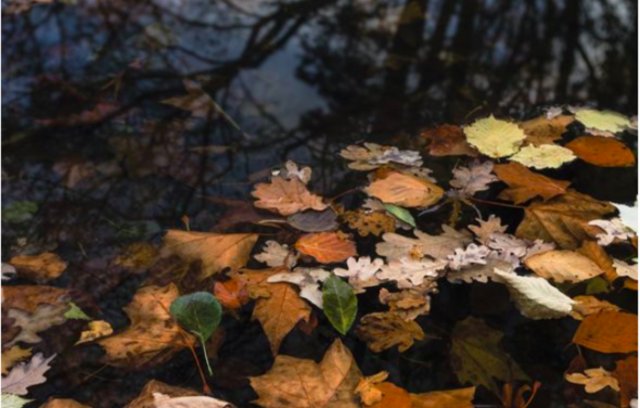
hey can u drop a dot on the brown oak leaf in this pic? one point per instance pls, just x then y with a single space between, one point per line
525 184
286 197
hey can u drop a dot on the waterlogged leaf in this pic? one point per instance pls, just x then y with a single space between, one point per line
477 357
76 313
198 312
371 156
594 380
525 184
300 383
216 251
602 151
609 332
42 267
327 247
27 374
12 356
405 190
286 197
19 211
606 121
494 137
546 156
97 329
13 401
563 266
314 221
401 213
384 330
535 297
475 178
340 303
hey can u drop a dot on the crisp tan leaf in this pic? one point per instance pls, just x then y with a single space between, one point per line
563 266
294 382
396 246
594 380
26 374
97 329
384 330
525 184
216 251
153 336
405 190
42 267
286 197
609 332
589 305
447 140
327 247
458 398
543 130
12 356
602 151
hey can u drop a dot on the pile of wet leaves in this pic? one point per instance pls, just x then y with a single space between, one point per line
464 265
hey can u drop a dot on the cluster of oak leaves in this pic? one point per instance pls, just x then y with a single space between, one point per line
562 239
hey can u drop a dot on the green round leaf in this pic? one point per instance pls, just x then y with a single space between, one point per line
340 304
400 213
198 312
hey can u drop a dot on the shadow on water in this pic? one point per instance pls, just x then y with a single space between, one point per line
95 156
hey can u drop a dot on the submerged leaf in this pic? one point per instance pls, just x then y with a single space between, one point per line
340 304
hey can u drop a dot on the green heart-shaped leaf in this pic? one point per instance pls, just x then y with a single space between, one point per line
340 304
198 312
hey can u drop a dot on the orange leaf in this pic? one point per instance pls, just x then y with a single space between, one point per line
602 151
541 130
597 254
327 247
286 197
609 332
447 140
627 374
524 184
231 294
405 190
392 396
458 398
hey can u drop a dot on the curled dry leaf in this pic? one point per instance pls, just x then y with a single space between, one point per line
525 184
602 151
286 197
594 380
216 251
384 330
304 383
42 267
546 156
447 140
563 266
589 305
494 137
405 190
609 332
27 374
475 178
327 247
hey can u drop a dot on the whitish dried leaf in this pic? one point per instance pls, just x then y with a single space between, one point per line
97 329
146 400
25 375
8 272
410 272
303 383
327 247
307 279
373 155
405 190
563 266
508 248
493 137
291 171
472 254
479 273
286 197
384 330
42 267
12 356
275 254
216 251
535 297
589 305
594 380
606 121
361 272
165 401
396 246
485 229
624 269
613 229
546 156
44 317
470 180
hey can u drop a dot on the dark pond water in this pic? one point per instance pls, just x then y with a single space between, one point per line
94 159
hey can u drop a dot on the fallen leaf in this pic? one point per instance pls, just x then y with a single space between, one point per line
544 130
340 304
594 380
275 254
304 383
43 318
535 297
475 178
307 279
613 229
384 330
623 269
447 140
402 214
471 255
137 256
606 121
27 374
478 273
153 336
42 267
286 197
600 257
392 396
75 313
396 246
486 228
216 251
494 137
29 297
458 398
291 171
367 391
327 247
602 151
373 155
314 221
165 401
408 303
626 372
405 190
588 305
369 222
563 266
232 294
97 329
63 403
12 356
477 357
609 332
146 400
525 184
410 272
361 272
13 401
563 219
546 156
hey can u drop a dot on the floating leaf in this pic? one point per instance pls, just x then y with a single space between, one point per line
626 372
314 221
43 318
594 380
13 401
545 130
361 272
96 330
384 330
494 137
405 190
602 151
42 267
396 246
369 222
545 156
563 266
475 178
326 247
307 279
232 293
146 397
410 272
609 332
606 121
198 312
25 375
486 228
590 305
12 356
447 140
76 313
401 213
340 304
286 197
164 401
525 184
275 254
373 155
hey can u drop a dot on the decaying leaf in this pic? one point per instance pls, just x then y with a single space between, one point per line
27 374
361 272
447 140
485 229
216 251
43 318
314 221
405 190
13 355
594 380
295 382
494 137
369 222
384 330
307 279
602 151
275 254
97 329
42 267
408 303
546 156
606 121
29 297
396 246
372 156
563 266
477 357
563 219
153 336
589 305
469 180
626 372
286 197
146 400
327 247
525 184
410 272
608 332
545 130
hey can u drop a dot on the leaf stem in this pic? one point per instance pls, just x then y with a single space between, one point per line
206 357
